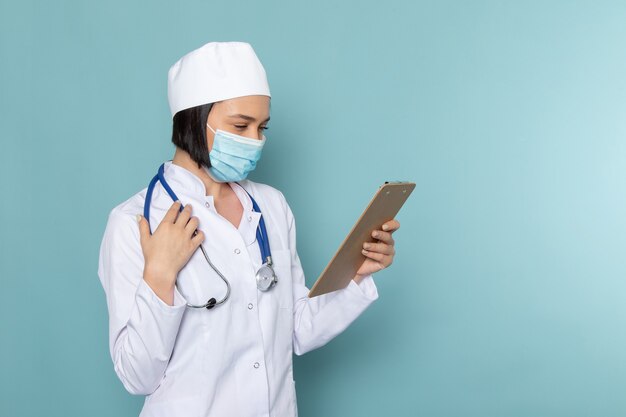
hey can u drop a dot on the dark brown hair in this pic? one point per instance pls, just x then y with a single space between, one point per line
189 133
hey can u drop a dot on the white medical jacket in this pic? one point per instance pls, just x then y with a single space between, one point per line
236 359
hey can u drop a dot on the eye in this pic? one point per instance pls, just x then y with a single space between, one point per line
264 127
241 126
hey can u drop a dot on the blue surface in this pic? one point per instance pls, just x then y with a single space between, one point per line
507 294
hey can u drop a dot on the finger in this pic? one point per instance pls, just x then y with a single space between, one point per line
379 248
184 216
172 212
192 225
383 236
391 226
144 228
380 257
198 238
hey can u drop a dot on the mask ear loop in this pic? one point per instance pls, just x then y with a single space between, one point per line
207 123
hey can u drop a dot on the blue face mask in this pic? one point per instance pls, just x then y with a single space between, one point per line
233 157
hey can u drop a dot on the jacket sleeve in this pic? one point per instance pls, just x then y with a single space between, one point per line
319 319
142 328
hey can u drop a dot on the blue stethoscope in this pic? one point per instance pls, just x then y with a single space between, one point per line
265 276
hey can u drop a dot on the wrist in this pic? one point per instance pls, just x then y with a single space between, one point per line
161 282
358 278
159 275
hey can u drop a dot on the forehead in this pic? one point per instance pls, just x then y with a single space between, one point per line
257 107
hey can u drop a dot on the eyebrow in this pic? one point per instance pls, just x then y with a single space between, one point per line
246 117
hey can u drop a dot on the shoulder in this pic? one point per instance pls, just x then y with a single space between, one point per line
123 217
120 247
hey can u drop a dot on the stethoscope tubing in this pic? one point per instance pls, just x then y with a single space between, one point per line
261 234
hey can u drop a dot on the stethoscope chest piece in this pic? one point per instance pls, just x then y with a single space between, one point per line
266 277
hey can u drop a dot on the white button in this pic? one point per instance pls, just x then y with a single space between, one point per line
249 218
207 204
256 364
237 251
250 306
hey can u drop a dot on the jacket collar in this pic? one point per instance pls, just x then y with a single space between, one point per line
182 179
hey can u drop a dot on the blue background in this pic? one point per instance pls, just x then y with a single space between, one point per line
507 294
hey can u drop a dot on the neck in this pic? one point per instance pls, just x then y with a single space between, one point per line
213 188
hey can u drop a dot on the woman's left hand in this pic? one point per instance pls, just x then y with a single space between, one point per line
379 254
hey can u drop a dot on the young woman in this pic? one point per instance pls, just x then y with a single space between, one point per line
211 332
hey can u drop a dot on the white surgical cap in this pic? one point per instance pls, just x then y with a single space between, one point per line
214 72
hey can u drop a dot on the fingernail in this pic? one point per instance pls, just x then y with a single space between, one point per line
366 245
385 227
364 252
375 234
138 218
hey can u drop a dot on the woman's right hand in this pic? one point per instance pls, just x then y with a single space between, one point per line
168 249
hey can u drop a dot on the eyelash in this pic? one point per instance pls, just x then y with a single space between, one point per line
244 126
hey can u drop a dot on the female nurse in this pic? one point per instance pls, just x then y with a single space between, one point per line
196 331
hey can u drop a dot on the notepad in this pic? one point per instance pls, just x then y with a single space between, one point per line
342 268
